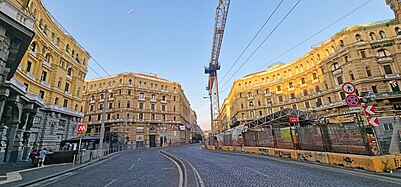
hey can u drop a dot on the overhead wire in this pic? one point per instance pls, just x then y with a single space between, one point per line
254 37
310 37
267 37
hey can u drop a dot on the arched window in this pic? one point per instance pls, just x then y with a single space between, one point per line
69 71
318 56
397 31
153 97
58 42
121 81
129 82
327 52
351 75
78 91
358 38
368 72
278 76
33 46
289 73
35 12
77 58
285 73
307 64
56 101
41 23
47 58
296 69
274 78
382 35
333 49
163 98
301 67
67 48
52 37
45 30
59 83
44 50
341 43
372 36
92 98
144 84
73 53
140 83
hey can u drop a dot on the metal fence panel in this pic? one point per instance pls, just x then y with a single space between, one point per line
310 138
283 138
266 138
250 138
347 138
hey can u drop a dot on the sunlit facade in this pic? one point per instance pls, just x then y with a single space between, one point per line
367 55
152 111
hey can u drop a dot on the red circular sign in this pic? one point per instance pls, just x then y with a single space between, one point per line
352 100
348 88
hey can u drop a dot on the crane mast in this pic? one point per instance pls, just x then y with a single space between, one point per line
219 25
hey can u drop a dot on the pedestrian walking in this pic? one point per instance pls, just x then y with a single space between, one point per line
34 157
42 156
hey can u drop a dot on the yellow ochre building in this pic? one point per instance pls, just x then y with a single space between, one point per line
367 55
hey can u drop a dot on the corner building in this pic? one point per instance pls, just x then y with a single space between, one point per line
367 55
50 81
149 110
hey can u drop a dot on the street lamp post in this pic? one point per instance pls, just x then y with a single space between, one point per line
102 128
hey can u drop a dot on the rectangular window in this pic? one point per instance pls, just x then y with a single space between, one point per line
118 116
307 104
342 95
318 102
140 105
305 92
140 116
129 92
43 77
314 76
65 104
317 88
110 105
108 116
294 106
260 113
152 107
374 89
139 129
41 94
339 80
387 69
329 99
363 55
91 108
28 66
292 95
67 87
280 98
26 86
163 107
388 126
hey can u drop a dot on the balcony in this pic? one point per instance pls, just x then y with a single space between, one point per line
31 76
337 71
32 53
315 81
279 92
153 100
291 89
163 101
45 84
250 97
303 85
69 77
293 100
384 59
141 99
46 63
392 76
338 86
68 93
387 94
361 43
268 94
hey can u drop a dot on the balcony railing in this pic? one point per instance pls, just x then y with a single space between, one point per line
31 76
391 76
69 77
46 63
152 100
387 94
268 94
250 97
337 71
163 101
141 99
44 83
68 93
385 59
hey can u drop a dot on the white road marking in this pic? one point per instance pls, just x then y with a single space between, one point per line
111 182
181 181
131 167
258 172
139 159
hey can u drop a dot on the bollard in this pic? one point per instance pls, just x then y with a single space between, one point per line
73 161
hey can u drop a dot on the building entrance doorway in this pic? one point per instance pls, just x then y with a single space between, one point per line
152 140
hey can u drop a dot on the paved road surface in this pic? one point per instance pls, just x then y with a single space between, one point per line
144 167
222 169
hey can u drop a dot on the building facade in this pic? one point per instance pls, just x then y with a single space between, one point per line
50 77
395 5
147 110
366 55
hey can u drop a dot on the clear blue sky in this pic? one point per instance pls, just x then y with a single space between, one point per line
173 37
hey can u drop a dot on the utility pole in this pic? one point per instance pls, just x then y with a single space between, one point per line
102 128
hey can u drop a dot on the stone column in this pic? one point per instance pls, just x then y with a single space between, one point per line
11 153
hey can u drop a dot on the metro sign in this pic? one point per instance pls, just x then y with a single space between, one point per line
373 122
82 127
369 110
294 120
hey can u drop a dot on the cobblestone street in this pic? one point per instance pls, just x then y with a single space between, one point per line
220 169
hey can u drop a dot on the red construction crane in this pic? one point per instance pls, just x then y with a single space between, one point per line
219 25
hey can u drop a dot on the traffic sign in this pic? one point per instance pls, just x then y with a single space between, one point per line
352 100
294 120
373 122
348 88
369 110
82 128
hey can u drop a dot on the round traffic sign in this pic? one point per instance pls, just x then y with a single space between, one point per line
352 100
348 88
